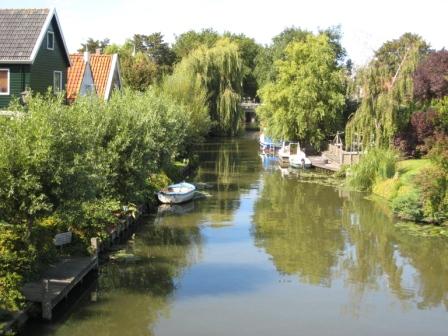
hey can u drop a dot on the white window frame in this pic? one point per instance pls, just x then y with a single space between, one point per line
9 82
56 91
48 35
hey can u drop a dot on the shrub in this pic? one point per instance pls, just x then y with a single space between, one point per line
377 164
70 167
439 151
408 206
433 184
416 139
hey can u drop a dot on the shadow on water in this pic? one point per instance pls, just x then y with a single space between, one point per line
132 292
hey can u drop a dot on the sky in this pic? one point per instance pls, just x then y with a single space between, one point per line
365 25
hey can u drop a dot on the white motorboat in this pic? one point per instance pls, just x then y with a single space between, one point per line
287 149
177 193
299 160
291 154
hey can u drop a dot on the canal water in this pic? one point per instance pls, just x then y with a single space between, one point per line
266 252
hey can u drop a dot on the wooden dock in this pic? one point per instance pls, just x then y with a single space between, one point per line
57 281
320 162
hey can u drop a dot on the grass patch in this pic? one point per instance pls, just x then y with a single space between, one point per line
402 183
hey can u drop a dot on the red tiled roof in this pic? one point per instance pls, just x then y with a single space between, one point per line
75 75
101 67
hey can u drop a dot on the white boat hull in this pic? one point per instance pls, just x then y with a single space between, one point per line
299 160
177 193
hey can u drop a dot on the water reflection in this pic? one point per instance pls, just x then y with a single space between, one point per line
267 254
415 268
297 224
322 235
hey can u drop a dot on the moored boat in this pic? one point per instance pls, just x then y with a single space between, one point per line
291 155
299 160
177 193
285 152
267 145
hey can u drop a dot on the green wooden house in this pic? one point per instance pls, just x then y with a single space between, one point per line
33 53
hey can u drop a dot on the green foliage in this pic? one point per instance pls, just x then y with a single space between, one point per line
265 70
138 71
191 40
433 186
16 257
74 167
376 165
386 92
249 51
144 60
92 45
408 206
219 71
188 90
441 106
307 98
156 48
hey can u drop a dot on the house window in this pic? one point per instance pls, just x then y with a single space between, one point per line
50 40
4 82
57 81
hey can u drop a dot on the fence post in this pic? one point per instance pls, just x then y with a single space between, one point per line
95 246
46 300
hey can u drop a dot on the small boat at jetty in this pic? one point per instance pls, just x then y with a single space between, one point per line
267 145
299 160
177 193
291 154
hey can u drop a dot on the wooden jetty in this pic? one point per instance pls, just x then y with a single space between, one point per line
57 281
335 156
321 162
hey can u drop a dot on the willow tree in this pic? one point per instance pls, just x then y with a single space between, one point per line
219 70
385 88
308 95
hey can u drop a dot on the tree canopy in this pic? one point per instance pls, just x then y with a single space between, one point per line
431 77
92 45
385 90
187 42
307 97
219 70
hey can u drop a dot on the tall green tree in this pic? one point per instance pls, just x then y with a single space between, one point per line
249 51
138 70
219 70
385 90
307 98
92 45
156 48
264 70
187 42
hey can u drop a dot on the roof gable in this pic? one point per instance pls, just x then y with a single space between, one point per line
101 70
75 75
22 32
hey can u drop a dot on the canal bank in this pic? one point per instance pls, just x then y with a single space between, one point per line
266 254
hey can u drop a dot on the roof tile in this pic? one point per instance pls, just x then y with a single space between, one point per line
101 66
75 75
19 31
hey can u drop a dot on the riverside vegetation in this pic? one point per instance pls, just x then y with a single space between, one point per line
77 167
